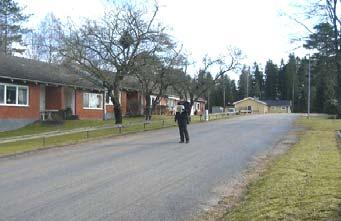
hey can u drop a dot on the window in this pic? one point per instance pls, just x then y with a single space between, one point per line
13 95
284 107
92 101
2 94
273 108
22 95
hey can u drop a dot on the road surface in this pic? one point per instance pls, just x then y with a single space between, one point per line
147 176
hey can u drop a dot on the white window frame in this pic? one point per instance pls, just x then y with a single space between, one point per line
16 98
93 108
283 107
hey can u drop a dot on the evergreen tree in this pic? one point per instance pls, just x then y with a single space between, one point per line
11 30
302 83
325 81
271 80
258 81
222 91
325 70
234 92
288 79
245 83
329 37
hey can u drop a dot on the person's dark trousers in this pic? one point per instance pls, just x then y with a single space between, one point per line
183 133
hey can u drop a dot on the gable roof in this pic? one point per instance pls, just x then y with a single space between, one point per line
267 102
17 68
250 98
277 102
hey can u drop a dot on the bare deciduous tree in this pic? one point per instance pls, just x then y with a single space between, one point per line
157 72
194 88
107 49
45 42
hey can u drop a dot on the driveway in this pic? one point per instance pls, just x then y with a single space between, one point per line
147 176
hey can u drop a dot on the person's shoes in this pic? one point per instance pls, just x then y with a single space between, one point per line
181 141
187 141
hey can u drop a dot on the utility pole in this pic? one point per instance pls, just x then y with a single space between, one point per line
224 94
247 84
293 84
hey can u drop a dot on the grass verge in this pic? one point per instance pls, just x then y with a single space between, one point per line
303 184
131 125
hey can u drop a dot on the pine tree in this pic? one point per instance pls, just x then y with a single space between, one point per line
271 80
325 70
302 83
245 83
11 30
290 69
259 81
282 84
234 91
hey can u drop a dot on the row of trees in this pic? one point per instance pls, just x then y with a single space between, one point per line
129 43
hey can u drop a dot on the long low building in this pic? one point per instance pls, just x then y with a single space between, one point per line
31 90
256 106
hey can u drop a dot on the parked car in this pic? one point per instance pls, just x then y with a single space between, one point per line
231 111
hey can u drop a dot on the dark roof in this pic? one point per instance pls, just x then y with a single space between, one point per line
17 68
277 102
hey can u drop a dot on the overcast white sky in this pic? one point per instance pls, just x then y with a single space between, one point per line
204 26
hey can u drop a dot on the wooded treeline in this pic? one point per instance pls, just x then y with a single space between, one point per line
289 80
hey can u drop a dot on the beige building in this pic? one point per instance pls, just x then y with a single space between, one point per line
255 106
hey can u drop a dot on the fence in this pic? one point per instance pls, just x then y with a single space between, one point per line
78 135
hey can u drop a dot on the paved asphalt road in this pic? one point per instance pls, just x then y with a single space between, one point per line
148 176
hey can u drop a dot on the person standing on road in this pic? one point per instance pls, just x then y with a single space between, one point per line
181 117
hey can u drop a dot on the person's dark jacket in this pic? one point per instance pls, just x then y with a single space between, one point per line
181 118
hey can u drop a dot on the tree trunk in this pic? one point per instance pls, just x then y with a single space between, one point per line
147 113
154 104
338 65
117 106
337 46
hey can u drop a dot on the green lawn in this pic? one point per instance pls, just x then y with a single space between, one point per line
304 184
37 128
130 125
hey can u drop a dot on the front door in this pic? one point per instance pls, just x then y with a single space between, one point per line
69 96
42 98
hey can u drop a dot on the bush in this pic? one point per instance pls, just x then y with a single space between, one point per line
338 111
67 114
73 117
331 107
